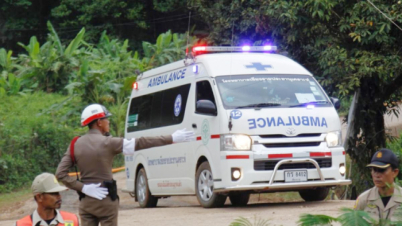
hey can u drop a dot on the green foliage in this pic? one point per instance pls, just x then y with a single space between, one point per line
136 21
133 20
48 67
31 142
168 48
9 84
241 221
21 19
349 217
312 220
73 13
6 63
37 127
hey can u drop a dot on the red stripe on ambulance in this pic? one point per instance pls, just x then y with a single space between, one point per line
320 154
237 156
276 156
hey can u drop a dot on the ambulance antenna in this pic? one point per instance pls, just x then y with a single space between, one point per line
231 50
188 34
231 44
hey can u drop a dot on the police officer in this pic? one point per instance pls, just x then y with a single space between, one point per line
46 190
383 201
94 154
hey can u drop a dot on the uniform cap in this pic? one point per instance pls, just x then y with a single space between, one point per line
46 183
383 158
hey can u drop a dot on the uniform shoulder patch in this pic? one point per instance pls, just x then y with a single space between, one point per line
68 223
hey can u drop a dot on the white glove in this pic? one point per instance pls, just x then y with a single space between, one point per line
183 136
95 191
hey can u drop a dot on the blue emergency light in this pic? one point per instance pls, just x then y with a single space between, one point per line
197 50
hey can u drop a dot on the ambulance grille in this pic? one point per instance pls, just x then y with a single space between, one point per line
270 164
295 144
284 136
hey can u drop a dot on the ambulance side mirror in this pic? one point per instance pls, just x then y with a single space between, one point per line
336 102
206 107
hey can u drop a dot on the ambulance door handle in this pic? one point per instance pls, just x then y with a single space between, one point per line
194 126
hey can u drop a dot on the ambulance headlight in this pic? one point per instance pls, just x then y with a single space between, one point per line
235 142
334 139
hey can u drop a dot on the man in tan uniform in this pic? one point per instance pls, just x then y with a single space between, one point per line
94 153
384 201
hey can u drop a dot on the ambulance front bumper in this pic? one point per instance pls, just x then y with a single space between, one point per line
271 185
285 186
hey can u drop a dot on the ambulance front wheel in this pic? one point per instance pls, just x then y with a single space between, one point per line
204 185
239 199
317 194
144 197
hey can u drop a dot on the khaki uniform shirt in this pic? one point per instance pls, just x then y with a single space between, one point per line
94 156
371 202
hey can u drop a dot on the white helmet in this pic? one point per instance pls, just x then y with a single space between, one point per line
93 112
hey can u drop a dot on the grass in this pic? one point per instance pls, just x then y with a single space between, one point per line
7 199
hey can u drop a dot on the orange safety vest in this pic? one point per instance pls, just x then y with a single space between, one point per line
70 219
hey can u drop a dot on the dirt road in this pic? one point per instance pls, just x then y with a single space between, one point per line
186 210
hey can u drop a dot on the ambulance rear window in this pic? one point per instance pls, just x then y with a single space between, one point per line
158 109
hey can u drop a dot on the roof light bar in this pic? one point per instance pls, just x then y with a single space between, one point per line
245 48
210 49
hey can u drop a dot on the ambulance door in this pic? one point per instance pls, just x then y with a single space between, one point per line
167 164
207 127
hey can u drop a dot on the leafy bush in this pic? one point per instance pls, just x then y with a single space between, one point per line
36 128
31 142
349 217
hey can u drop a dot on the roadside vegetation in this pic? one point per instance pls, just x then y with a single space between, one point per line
44 89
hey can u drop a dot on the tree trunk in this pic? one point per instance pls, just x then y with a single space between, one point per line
367 135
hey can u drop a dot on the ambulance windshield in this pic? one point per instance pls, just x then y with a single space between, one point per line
261 91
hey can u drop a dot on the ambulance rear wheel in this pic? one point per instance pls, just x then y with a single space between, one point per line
239 199
317 194
204 186
144 197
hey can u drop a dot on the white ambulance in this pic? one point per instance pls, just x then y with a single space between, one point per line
262 124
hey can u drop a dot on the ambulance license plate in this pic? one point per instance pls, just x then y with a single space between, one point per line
296 176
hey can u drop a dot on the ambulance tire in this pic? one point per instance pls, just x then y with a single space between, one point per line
144 196
239 199
317 194
204 188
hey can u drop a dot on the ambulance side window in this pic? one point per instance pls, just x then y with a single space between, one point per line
163 108
204 92
140 113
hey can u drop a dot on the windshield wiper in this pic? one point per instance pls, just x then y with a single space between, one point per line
311 102
259 105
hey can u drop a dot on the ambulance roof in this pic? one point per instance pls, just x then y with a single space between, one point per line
219 64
